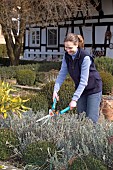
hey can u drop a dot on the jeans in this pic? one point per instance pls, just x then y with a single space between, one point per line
91 105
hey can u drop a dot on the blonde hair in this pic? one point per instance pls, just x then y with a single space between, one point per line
76 39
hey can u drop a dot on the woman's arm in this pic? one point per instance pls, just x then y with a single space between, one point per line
61 76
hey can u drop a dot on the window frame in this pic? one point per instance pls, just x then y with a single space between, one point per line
31 37
51 28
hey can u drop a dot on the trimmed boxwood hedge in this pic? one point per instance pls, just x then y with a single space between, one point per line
37 153
107 80
87 163
7 136
26 77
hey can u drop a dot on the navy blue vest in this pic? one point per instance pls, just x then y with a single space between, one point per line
74 69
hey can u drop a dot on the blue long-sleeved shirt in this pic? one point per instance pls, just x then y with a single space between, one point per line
83 77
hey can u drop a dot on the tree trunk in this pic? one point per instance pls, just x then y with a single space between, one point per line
13 53
13 49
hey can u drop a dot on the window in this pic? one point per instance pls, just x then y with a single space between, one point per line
52 37
35 37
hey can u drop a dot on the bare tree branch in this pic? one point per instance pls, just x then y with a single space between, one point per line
15 14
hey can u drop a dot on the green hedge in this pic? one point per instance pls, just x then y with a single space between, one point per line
66 92
45 77
7 136
37 153
87 163
37 101
107 81
12 71
104 64
26 77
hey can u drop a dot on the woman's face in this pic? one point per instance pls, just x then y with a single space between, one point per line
70 48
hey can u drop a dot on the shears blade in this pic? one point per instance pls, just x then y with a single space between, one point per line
45 117
52 112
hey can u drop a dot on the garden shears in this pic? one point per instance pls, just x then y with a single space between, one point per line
53 112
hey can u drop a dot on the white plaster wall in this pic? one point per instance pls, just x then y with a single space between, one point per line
100 34
87 32
25 53
61 49
62 35
91 20
106 20
27 38
76 30
78 22
43 48
69 30
109 52
68 22
88 49
43 36
107 6
111 29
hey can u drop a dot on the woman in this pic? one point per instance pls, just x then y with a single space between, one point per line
80 65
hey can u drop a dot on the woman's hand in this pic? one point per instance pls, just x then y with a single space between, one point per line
55 95
72 104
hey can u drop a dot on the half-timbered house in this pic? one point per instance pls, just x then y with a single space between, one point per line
44 43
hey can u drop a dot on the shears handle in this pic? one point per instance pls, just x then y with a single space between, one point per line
54 104
64 110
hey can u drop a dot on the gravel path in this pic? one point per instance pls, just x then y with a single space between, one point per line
7 166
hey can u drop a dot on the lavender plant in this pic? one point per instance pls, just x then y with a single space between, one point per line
72 136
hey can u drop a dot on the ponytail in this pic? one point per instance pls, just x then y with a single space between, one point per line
80 41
